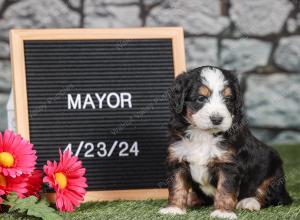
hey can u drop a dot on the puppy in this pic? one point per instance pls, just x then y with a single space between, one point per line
213 158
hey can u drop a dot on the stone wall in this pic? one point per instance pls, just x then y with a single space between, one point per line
259 39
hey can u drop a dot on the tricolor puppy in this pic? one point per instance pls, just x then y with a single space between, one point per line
213 158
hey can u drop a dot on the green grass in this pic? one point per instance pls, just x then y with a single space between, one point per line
149 209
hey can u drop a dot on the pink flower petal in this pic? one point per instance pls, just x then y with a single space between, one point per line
73 194
22 152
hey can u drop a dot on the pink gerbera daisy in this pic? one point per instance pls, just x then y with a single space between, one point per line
68 181
34 184
9 184
16 155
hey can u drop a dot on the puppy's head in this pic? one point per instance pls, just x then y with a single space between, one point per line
208 98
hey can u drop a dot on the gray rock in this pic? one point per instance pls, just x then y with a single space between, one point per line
197 17
5 76
277 137
244 54
3 113
273 100
112 13
5 85
38 14
291 25
11 117
4 50
287 54
259 17
75 3
264 135
287 137
201 51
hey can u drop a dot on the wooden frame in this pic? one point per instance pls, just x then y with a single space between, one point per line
17 38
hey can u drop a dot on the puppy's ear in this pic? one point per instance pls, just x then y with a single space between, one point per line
239 101
238 108
178 92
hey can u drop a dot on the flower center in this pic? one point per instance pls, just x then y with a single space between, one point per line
6 159
2 180
61 180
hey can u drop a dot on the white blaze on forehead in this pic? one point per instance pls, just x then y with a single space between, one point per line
214 79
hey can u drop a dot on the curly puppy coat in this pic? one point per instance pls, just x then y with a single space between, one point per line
213 158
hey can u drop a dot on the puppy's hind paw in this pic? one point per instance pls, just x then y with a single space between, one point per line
223 214
171 210
250 204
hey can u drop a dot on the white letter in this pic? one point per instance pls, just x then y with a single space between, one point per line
126 99
100 99
88 101
72 104
117 100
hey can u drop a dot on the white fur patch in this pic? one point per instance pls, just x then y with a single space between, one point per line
250 204
198 151
172 211
223 214
215 81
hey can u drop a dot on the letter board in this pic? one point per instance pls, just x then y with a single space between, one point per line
101 93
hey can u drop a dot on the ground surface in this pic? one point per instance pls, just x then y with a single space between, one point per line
146 210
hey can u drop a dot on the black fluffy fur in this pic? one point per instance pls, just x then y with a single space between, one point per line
253 161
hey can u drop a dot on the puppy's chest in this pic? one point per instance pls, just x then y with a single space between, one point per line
198 152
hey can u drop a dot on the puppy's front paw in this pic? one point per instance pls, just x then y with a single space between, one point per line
250 204
172 210
223 214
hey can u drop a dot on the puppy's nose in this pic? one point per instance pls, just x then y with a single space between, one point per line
216 119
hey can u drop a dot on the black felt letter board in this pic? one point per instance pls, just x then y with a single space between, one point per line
66 80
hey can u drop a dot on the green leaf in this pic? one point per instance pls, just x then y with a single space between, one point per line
31 206
44 212
11 199
23 204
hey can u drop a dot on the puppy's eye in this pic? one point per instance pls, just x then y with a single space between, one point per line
201 98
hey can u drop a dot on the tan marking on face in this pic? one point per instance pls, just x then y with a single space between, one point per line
204 91
189 115
227 92
224 200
